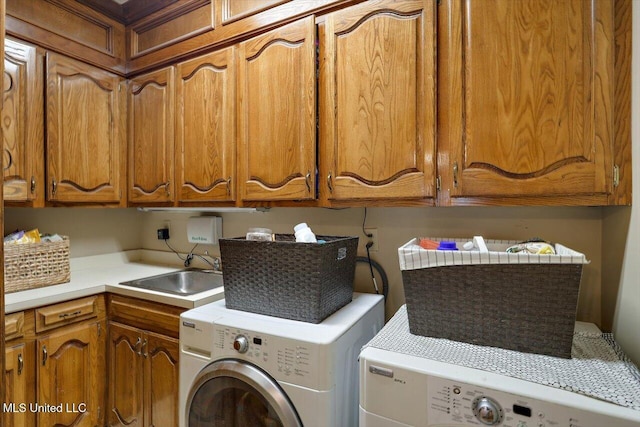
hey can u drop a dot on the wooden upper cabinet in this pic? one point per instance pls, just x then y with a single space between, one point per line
526 102
23 123
205 158
277 114
377 97
151 134
85 133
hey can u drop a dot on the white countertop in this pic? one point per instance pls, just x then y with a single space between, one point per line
103 273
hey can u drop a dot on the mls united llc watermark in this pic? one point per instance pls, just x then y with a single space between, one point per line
20 408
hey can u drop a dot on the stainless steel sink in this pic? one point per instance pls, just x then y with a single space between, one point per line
184 282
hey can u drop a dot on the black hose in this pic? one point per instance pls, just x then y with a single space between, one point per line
380 270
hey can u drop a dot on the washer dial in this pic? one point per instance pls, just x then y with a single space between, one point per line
487 411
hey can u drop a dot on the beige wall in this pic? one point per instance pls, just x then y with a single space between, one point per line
91 231
97 231
625 227
578 228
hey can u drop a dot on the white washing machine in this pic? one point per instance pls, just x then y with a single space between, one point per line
401 386
246 369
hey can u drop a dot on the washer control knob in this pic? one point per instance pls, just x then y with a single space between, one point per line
241 344
487 410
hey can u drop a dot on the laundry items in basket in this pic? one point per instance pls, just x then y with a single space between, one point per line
284 278
516 301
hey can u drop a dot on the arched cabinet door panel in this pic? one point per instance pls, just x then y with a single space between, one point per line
151 137
85 132
527 104
377 97
277 114
23 123
205 156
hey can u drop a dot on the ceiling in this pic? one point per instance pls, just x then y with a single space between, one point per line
127 11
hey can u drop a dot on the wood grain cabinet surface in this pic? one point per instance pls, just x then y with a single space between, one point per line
205 156
151 137
277 114
20 370
71 372
57 376
143 378
526 102
377 92
85 133
19 384
143 363
23 123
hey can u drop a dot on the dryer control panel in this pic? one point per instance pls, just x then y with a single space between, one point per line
457 403
401 390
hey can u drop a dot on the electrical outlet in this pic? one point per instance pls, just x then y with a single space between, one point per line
164 233
374 238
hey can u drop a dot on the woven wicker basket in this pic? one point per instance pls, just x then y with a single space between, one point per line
299 281
34 265
517 302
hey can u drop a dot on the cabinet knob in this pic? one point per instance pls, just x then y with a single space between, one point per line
330 182
307 180
54 187
229 186
45 355
33 184
136 347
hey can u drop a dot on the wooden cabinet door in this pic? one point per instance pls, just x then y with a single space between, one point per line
126 369
277 114
19 385
206 128
85 132
526 102
71 373
23 123
161 383
151 133
377 100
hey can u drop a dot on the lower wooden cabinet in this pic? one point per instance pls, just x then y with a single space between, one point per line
71 376
143 377
19 381
65 363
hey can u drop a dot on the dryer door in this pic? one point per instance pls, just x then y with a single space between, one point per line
235 393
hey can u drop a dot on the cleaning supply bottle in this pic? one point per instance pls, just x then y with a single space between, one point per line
478 244
304 234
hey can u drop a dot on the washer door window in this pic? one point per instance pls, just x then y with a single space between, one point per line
232 393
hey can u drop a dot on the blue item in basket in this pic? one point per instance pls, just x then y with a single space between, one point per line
447 246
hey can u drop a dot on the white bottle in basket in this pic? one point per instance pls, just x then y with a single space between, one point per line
304 234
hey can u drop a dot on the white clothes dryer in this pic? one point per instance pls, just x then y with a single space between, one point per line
409 380
245 369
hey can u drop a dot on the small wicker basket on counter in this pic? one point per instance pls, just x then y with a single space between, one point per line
35 265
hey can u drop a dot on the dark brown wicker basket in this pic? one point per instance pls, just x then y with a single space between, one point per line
299 281
523 307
